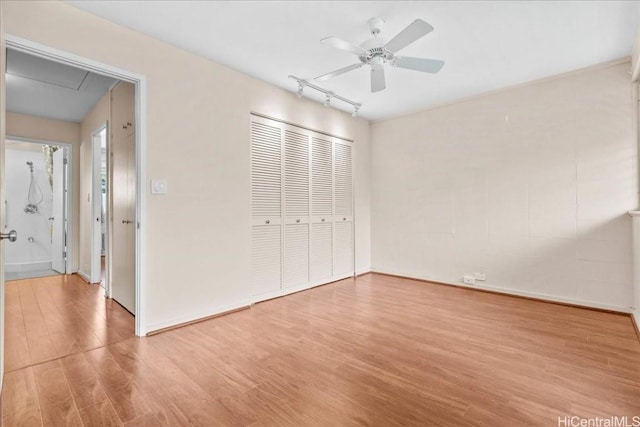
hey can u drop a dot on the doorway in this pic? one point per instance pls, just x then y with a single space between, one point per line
37 203
132 158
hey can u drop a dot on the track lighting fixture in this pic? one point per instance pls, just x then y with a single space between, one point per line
302 84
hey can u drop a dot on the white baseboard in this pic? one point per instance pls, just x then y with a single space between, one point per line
636 317
22 267
197 316
362 271
84 276
515 292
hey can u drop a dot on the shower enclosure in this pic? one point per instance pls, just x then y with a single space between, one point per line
34 198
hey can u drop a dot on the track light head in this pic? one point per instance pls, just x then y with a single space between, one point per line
303 84
356 108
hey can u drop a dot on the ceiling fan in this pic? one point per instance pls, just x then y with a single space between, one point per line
375 52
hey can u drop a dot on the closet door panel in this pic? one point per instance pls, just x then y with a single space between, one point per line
343 199
321 266
266 206
296 207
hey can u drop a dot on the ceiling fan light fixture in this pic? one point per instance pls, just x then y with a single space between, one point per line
356 108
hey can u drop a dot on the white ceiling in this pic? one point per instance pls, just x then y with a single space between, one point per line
486 45
44 88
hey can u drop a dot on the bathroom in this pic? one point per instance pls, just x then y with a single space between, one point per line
34 198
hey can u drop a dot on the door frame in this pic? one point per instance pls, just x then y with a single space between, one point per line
140 83
68 196
96 208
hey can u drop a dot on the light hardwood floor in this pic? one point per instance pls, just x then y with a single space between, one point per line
373 351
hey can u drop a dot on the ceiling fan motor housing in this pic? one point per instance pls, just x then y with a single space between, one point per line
375 49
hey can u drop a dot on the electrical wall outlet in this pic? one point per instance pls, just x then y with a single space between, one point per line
469 280
480 276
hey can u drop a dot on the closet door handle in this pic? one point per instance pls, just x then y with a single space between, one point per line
126 221
298 220
322 220
267 221
344 219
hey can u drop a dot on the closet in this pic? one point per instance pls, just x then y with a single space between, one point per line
301 207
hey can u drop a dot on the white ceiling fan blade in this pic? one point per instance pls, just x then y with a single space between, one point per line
413 32
377 78
344 45
418 64
338 72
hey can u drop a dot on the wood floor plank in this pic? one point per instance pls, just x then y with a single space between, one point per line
56 402
146 420
100 415
83 381
20 404
126 398
16 352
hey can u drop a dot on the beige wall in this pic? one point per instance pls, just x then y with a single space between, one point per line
26 126
97 117
530 185
198 235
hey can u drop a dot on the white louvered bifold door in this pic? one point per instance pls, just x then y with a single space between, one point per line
343 216
296 207
266 205
321 256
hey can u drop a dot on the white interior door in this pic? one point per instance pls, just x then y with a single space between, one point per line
296 208
122 215
58 238
266 207
3 131
343 254
321 266
96 206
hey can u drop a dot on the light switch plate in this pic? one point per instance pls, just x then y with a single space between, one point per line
159 186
